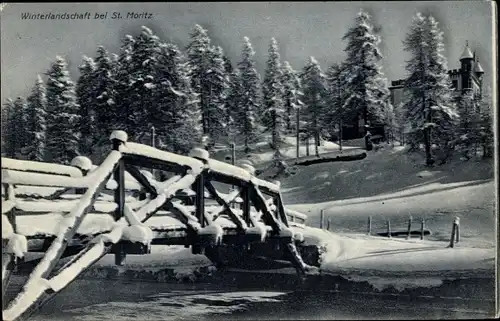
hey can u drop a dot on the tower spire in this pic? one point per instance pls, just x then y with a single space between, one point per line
467 54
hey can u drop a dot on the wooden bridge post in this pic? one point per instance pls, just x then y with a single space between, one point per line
322 219
84 164
200 198
199 185
245 193
119 198
9 260
408 236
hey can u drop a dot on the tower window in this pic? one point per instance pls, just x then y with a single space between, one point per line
455 84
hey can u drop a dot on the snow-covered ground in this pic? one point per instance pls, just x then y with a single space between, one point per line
391 184
379 261
262 153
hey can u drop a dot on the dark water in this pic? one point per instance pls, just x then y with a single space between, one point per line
92 299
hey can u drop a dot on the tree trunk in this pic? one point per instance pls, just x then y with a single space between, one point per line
307 146
427 142
316 143
340 135
298 132
247 149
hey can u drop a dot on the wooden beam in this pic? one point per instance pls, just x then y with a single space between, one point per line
246 204
281 209
227 208
68 236
260 204
119 177
49 294
199 188
141 179
8 266
144 161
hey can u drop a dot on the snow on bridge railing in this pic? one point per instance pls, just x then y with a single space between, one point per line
131 148
196 164
40 167
35 174
296 216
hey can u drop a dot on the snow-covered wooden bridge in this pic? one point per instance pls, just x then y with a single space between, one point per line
120 207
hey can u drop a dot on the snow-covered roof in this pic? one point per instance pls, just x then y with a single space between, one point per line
478 68
467 54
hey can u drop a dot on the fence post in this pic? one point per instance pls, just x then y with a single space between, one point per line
457 227
322 219
409 228
118 138
454 228
422 226
389 229
370 225
328 224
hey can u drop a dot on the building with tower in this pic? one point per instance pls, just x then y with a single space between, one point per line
466 80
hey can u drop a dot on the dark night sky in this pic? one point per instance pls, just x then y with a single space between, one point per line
302 29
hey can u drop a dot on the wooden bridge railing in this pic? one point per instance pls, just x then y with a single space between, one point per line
270 220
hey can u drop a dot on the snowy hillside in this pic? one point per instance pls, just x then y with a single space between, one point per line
392 184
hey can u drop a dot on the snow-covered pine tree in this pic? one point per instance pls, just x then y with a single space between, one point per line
86 99
36 128
291 94
249 100
429 107
467 129
228 65
314 88
366 92
415 106
104 107
8 134
334 113
444 115
177 118
143 84
486 134
218 84
123 76
20 122
273 118
232 105
62 111
231 98
199 52
381 98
